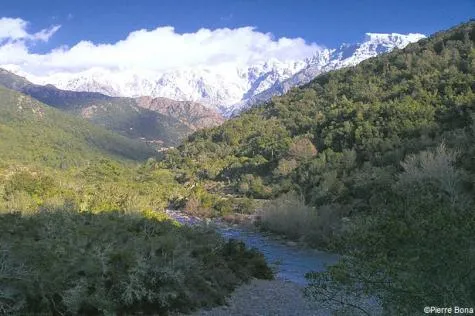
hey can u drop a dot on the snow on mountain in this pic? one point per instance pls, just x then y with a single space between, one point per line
331 59
229 88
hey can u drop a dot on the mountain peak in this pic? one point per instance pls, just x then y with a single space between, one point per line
396 38
224 88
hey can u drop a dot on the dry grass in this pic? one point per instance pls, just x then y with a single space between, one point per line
288 215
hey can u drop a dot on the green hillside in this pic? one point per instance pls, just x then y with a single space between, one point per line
124 116
49 158
121 115
374 161
82 230
33 132
317 138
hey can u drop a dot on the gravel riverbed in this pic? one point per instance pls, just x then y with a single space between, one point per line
281 297
265 298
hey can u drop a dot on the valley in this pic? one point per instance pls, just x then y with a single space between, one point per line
131 194
158 121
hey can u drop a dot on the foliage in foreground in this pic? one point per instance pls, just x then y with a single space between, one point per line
66 262
416 247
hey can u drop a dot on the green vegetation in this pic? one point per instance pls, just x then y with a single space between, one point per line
375 162
50 158
121 115
81 227
65 262
382 155
33 132
340 139
415 246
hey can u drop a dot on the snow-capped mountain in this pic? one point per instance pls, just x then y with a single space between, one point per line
331 59
229 88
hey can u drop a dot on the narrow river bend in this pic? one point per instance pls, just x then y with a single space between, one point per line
290 262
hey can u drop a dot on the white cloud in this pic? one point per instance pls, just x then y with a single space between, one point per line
44 35
160 49
14 29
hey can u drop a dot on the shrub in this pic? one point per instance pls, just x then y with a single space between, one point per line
253 186
288 215
224 206
65 262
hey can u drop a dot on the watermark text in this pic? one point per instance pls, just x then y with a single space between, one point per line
449 310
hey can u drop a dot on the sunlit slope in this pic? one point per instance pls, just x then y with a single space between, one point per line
33 132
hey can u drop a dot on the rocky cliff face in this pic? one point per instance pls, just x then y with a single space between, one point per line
194 115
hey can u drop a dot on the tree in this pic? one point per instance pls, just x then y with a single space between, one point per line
415 249
302 149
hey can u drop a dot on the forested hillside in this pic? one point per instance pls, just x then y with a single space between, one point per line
339 137
161 122
377 162
49 158
82 229
33 132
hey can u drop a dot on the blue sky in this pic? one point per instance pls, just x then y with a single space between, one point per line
326 22
60 36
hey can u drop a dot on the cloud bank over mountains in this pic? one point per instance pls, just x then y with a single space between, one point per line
160 50
224 69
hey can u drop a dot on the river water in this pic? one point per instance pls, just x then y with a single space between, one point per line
290 261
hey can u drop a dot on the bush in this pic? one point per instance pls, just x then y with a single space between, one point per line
224 206
254 187
288 215
65 262
414 248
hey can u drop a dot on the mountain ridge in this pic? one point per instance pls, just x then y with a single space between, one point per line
164 124
33 131
227 88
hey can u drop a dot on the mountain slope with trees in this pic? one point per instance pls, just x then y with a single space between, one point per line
376 162
34 132
317 139
82 228
165 123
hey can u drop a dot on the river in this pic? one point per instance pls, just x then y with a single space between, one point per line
290 261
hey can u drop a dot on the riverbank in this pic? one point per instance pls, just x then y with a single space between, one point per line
290 261
262 297
249 222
